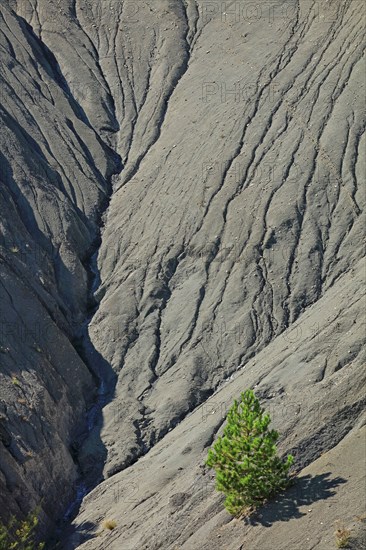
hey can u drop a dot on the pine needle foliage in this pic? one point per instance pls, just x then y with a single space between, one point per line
248 469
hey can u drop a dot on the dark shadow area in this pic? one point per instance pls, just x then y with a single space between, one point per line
105 380
41 251
49 63
85 531
37 164
75 535
305 491
19 320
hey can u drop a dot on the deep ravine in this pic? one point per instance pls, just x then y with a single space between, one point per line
102 373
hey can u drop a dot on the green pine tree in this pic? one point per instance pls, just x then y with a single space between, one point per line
20 534
245 459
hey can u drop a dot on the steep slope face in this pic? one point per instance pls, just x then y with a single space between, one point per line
128 57
241 215
245 212
232 231
315 396
54 174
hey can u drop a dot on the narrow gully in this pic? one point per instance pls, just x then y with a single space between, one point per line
100 370
102 373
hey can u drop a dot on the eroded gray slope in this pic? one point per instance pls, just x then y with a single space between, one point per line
54 174
312 383
242 214
247 210
239 206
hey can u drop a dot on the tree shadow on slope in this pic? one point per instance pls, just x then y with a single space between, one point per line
86 531
305 491
73 536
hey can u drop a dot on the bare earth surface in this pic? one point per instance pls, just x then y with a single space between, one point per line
182 218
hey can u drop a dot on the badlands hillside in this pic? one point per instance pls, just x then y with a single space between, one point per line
182 193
